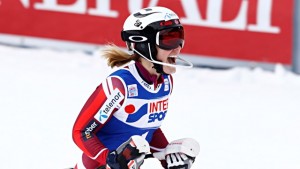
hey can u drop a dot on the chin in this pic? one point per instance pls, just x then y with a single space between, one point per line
170 71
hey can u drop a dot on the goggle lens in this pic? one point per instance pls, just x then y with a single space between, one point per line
170 38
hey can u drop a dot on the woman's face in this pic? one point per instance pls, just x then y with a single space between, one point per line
168 56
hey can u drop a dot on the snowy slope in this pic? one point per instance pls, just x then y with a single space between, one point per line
243 119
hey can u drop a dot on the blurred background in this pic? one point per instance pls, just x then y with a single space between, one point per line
219 33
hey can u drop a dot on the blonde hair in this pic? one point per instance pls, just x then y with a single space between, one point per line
116 56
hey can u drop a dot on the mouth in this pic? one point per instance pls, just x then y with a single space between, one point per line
172 59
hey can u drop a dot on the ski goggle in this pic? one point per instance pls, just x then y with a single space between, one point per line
170 38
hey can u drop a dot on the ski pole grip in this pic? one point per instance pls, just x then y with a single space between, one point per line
159 155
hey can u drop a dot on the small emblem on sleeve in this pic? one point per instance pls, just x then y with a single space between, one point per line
167 85
132 90
89 129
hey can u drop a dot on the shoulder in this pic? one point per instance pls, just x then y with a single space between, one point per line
118 79
124 72
168 81
170 78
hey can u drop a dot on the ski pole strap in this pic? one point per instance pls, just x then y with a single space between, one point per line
149 156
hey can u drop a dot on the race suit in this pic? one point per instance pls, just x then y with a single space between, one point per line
128 102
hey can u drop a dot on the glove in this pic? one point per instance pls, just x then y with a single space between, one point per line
129 155
179 154
179 161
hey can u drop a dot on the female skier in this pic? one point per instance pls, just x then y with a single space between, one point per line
119 125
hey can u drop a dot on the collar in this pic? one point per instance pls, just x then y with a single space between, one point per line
151 79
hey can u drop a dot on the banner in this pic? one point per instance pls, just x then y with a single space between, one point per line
249 30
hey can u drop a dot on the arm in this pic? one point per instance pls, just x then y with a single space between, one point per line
88 122
159 143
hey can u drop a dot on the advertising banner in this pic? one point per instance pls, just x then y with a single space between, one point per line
249 30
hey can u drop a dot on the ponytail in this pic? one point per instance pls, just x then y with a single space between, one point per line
116 56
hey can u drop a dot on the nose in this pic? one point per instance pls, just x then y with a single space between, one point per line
177 49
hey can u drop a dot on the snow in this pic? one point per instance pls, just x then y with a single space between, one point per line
243 118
